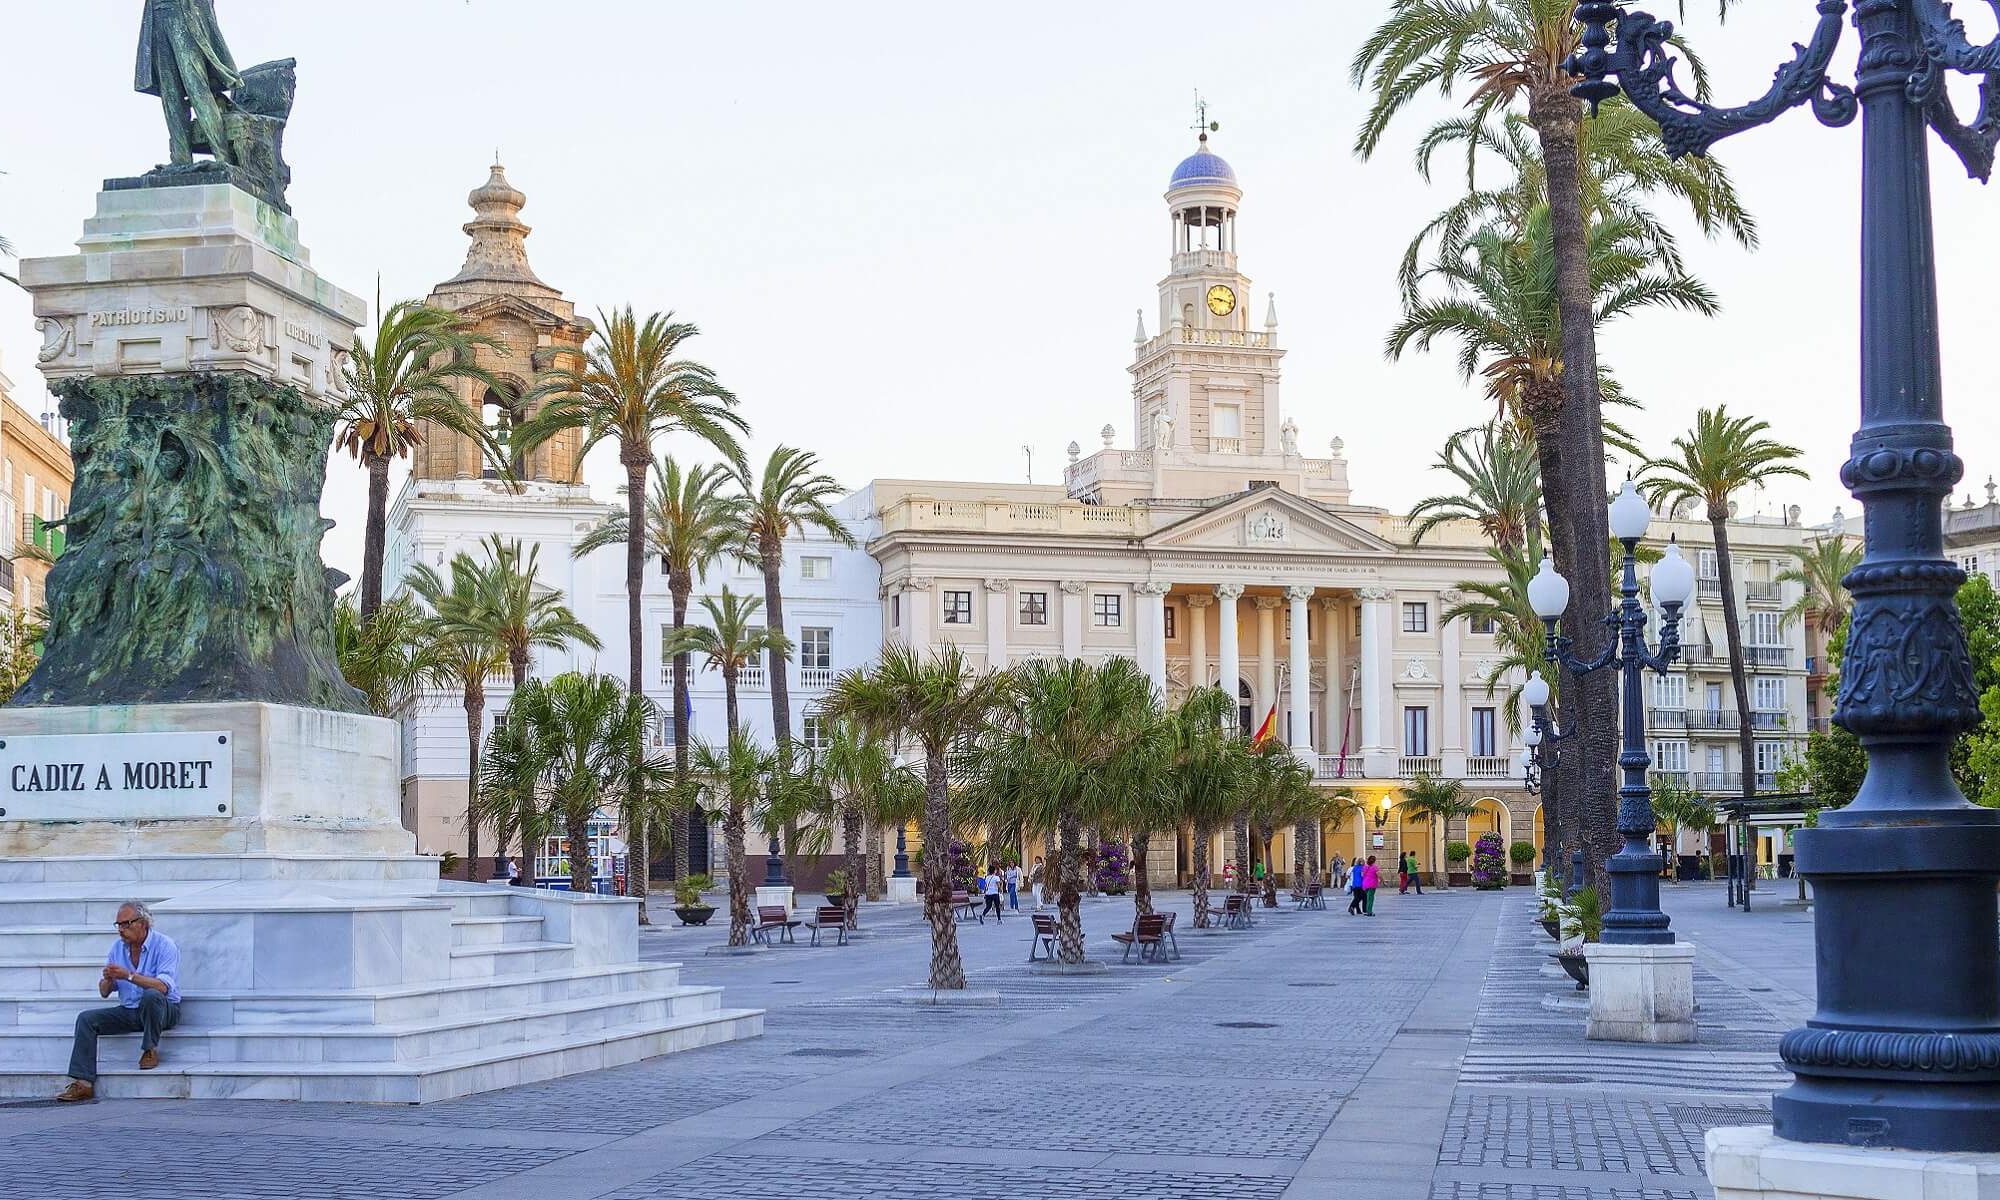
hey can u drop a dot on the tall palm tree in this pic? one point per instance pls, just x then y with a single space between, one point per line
1437 802
510 796
1723 455
1325 806
522 613
383 658
577 731
690 523
1821 571
462 652
1513 55
1517 630
733 779
731 641
393 388
1500 486
937 701
791 496
1068 738
863 782
1206 777
631 389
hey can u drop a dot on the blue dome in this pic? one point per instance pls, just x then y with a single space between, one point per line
1201 167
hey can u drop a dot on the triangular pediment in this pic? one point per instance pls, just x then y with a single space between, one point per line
513 306
1269 520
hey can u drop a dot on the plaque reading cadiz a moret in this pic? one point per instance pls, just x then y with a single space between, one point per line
115 776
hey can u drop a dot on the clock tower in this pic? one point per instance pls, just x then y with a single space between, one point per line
1207 383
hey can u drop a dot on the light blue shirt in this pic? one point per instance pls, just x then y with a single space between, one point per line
159 959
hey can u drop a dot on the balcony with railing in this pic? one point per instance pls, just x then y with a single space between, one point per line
1666 718
815 677
750 676
1759 591
1768 656
1489 766
1337 766
1205 260
1718 781
1010 516
1711 589
1225 445
1409 766
1725 720
1677 778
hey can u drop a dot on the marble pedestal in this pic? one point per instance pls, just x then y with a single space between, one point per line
903 890
1751 1163
768 897
1641 993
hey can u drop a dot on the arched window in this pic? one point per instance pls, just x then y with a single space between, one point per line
500 411
1246 711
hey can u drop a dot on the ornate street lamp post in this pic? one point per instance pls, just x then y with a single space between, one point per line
774 864
1634 918
1904 1050
902 870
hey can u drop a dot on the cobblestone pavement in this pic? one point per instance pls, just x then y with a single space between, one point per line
1316 1055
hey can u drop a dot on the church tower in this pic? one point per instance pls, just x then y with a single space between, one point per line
1208 383
502 298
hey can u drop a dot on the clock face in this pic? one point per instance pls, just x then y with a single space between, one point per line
1221 301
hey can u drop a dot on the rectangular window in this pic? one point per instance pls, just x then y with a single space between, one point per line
895 610
1034 608
813 731
815 648
1770 756
1228 421
1483 625
1767 694
1356 627
816 566
1168 613
1670 691
1416 617
1485 733
1107 611
1705 565
1764 629
1416 732
1670 756
958 608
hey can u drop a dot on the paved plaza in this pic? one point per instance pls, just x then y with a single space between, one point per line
1314 1055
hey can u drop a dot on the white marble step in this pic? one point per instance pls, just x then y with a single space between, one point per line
69 906
414 1082
108 874
410 1002
29 1046
497 902
476 931
517 958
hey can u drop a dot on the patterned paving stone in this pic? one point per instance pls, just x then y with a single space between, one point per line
813 1179
1569 1134
1460 1190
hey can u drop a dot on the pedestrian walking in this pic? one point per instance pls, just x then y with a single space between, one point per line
990 888
1371 878
1355 895
1402 874
1014 886
1035 877
1416 876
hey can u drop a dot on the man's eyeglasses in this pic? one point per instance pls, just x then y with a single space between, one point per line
131 921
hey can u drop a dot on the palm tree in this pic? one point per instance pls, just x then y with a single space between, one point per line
862 782
1822 570
393 388
510 796
1067 740
729 642
576 733
733 779
1682 808
523 614
1500 486
383 658
690 522
1206 777
1437 802
937 701
1280 792
1723 455
1517 630
1324 805
461 651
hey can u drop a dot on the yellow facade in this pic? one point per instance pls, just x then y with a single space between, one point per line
35 476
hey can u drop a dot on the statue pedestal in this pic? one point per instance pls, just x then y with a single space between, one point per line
1752 1163
1641 993
903 890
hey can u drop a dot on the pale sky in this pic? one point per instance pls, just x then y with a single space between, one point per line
914 235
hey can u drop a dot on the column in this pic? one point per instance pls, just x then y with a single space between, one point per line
918 601
1453 723
1377 689
1333 725
1300 738
1198 605
1225 616
1267 658
1153 632
996 623
1072 617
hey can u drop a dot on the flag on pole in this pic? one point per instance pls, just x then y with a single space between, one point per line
1264 730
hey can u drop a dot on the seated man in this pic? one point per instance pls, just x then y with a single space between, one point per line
144 968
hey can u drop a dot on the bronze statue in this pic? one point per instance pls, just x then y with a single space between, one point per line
184 61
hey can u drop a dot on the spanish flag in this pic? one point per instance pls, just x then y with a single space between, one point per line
1264 730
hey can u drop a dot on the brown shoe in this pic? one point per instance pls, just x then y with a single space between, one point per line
77 1090
149 1060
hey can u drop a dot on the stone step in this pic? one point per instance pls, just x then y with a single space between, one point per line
139 873
415 1082
481 931
413 1002
517 958
29 1046
467 902
44 907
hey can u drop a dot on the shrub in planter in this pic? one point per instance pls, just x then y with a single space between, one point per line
1489 865
1521 854
1113 873
837 885
959 866
1456 853
688 904
1581 921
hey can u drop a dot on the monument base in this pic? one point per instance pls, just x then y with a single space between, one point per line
904 890
774 896
1752 1163
1641 993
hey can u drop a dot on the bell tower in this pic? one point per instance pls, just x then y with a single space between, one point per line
1207 383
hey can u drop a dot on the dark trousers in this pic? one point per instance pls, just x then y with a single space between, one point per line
1417 881
993 903
1354 899
153 1017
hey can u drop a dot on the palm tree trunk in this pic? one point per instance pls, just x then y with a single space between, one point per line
772 558
1264 835
739 885
875 851
1299 864
475 717
374 535
638 460
1239 849
857 866
1732 627
1200 881
581 868
1069 901
1142 886
681 587
1575 495
947 970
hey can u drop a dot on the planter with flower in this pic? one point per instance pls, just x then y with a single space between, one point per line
1489 862
1113 871
1522 856
1549 903
1581 920
1455 854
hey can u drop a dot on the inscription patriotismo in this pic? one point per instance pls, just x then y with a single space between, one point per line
115 776
138 316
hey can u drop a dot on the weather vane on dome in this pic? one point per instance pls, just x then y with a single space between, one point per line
1202 125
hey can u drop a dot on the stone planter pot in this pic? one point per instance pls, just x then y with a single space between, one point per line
1461 878
1549 927
694 914
837 899
1577 967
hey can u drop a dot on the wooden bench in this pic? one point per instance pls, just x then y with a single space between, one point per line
1236 911
964 906
1148 933
1173 944
1043 943
829 918
1315 897
770 917
1220 915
